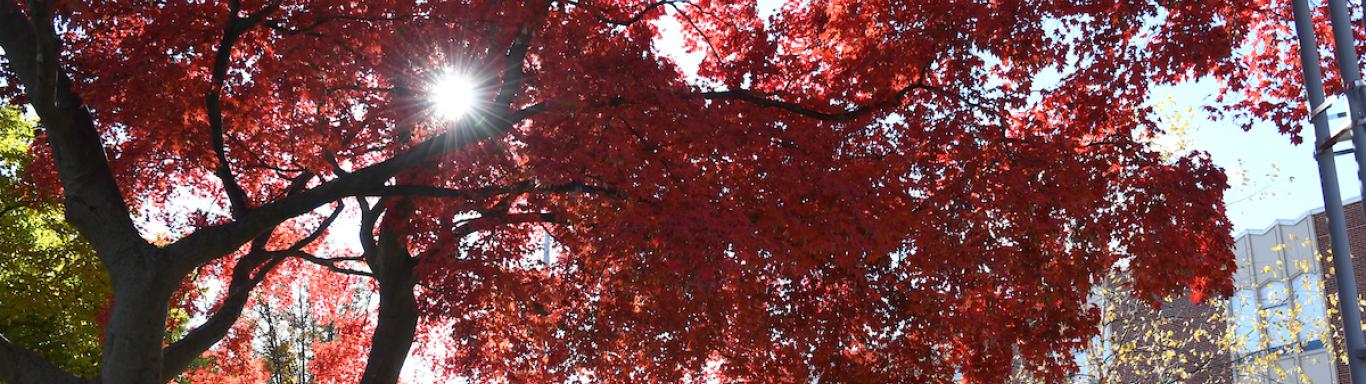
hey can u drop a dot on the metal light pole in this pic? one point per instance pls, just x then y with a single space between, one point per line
1344 50
1323 153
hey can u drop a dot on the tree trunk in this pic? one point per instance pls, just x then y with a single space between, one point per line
393 334
397 326
136 330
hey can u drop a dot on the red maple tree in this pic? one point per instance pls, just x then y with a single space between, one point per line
848 191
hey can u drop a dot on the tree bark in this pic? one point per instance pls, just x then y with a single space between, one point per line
397 326
137 321
142 278
180 354
21 366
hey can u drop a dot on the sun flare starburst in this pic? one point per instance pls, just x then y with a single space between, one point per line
452 95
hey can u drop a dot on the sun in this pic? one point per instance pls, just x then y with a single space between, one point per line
452 95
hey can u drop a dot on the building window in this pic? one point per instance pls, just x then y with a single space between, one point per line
1276 312
1245 321
1309 309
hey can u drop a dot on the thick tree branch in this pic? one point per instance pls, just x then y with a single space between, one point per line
179 355
754 98
329 263
581 187
246 276
530 110
529 217
369 216
396 327
514 68
213 242
432 191
323 20
21 366
232 31
484 192
93 201
501 218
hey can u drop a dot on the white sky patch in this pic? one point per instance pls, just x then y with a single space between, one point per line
171 221
1270 178
670 45
344 235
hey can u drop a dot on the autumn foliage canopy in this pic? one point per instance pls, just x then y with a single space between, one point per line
840 191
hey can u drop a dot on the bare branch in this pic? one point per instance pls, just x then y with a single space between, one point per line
514 69
235 27
279 170
504 218
529 111
707 39
601 14
329 263
323 20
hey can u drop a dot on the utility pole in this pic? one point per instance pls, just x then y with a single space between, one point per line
1345 53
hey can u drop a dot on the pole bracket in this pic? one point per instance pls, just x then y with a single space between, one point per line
1322 107
1315 111
1343 134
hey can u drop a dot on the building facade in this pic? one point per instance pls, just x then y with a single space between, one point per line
1356 237
1274 329
1277 316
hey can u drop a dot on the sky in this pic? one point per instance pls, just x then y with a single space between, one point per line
1271 179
